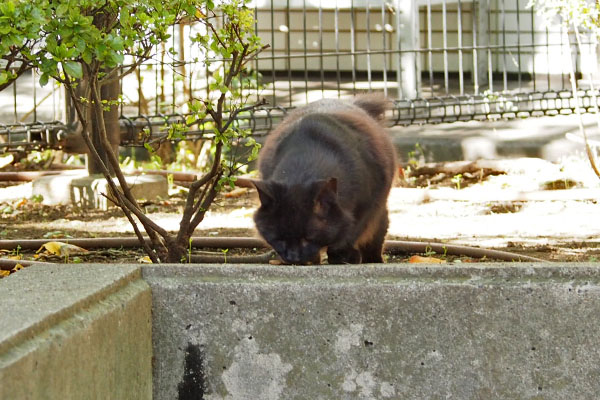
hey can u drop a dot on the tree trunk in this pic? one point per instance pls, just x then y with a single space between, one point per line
109 92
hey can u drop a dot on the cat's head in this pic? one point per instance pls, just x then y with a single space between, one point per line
299 220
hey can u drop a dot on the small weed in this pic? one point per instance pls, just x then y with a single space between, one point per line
429 251
416 156
224 251
457 180
37 198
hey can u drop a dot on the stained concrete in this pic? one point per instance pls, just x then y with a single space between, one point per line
496 331
75 332
488 331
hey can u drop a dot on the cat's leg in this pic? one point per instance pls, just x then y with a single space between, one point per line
343 255
372 251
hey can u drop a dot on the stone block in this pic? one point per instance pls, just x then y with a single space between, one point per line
496 331
75 332
90 191
56 189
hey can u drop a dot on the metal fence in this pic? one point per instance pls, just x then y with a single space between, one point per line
439 60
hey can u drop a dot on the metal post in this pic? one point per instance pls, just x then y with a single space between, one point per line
408 74
483 42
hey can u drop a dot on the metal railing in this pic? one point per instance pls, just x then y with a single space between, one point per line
439 60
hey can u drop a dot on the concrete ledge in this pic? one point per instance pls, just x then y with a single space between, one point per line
77 187
56 189
90 191
489 331
499 331
75 331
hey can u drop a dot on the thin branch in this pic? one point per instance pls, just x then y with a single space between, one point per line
235 113
22 69
109 78
137 231
588 149
191 205
112 158
206 203
254 53
214 31
126 204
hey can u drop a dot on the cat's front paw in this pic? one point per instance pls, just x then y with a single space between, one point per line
346 255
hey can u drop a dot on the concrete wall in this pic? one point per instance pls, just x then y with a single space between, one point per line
75 332
490 331
399 332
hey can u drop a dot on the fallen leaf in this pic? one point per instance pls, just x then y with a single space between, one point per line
16 257
21 203
61 249
428 260
145 260
237 192
16 268
4 273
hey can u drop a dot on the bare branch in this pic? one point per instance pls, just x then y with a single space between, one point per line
235 113
138 234
191 204
111 77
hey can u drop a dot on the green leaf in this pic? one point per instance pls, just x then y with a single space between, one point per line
3 77
62 9
73 68
86 56
44 79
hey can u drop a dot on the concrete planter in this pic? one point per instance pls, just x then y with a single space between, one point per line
506 331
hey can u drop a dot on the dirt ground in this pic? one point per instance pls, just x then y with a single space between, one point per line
526 206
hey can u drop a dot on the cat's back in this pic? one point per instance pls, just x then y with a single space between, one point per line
351 130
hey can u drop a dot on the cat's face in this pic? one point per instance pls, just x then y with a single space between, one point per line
298 221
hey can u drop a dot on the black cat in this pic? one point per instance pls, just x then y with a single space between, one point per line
326 174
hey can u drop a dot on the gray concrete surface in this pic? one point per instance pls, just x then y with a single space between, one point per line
495 331
55 189
75 332
541 137
89 191
488 331
77 187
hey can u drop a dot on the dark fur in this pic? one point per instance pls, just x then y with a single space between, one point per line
326 173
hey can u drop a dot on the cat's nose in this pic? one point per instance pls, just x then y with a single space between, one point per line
292 256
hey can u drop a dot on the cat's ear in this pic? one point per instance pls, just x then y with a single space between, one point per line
265 192
328 186
326 195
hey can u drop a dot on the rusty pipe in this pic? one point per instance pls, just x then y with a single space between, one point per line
391 246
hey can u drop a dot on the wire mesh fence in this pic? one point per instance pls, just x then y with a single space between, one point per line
439 60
